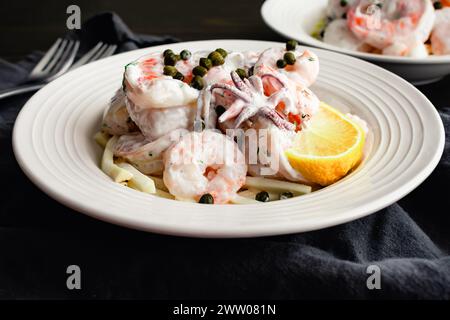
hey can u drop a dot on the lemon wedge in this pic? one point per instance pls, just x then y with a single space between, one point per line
330 146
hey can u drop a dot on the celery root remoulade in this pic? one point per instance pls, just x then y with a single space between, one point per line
226 127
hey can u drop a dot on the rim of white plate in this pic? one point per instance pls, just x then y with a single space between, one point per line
53 144
278 15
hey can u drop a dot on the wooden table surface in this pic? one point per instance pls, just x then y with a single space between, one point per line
30 25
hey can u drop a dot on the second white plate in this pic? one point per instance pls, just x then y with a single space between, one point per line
296 19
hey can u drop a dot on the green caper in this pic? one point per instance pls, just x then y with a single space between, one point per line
251 70
216 58
185 54
220 110
344 3
178 76
291 45
170 59
170 71
286 195
199 71
167 52
263 196
222 52
241 73
437 5
206 199
289 57
281 63
197 83
206 63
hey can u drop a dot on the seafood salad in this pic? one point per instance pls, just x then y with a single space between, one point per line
220 127
408 28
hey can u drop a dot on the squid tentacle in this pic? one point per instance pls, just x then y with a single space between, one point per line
247 106
237 93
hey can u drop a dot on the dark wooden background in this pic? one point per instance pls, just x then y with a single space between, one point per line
29 25
40 237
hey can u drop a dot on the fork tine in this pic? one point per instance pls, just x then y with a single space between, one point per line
66 60
56 56
44 60
109 52
99 53
65 52
87 56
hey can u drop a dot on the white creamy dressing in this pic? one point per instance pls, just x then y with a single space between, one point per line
162 92
166 92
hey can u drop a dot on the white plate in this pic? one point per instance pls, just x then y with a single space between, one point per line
296 19
54 146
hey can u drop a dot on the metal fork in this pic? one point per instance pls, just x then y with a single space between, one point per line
57 61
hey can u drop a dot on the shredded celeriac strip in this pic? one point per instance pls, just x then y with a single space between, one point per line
272 185
108 166
139 181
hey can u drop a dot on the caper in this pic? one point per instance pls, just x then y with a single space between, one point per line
197 83
263 196
220 110
199 71
199 125
344 16
185 54
289 57
344 3
291 45
251 70
178 76
241 73
170 59
281 63
206 63
216 58
286 195
437 5
222 52
167 52
206 199
170 71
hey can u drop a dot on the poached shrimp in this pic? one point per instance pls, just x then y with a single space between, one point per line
303 72
440 38
204 162
397 27
116 120
146 156
158 103
338 34
296 78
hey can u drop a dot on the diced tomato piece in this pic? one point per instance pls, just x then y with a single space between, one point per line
297 120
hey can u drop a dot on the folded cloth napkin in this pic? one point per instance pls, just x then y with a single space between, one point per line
409 241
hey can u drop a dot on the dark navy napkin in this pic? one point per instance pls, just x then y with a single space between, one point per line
39 238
